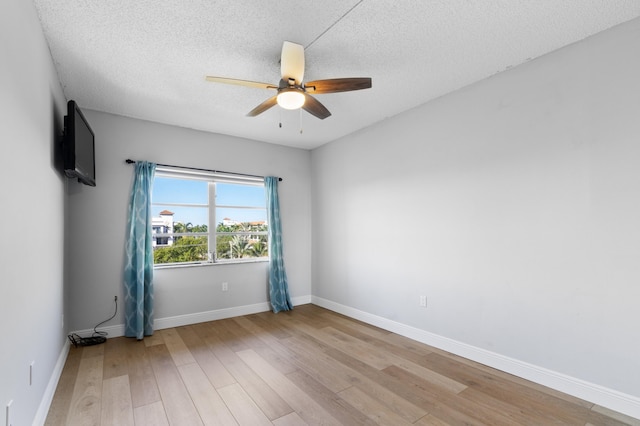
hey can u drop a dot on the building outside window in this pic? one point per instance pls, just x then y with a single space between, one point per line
163 224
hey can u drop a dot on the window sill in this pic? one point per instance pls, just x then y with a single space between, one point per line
198 265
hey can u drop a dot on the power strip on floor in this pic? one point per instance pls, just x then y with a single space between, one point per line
86 341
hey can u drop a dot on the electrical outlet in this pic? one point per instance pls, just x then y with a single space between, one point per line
225 286
423 301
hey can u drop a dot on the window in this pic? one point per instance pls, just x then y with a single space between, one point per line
203 217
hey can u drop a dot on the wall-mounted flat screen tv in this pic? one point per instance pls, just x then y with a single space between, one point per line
78 146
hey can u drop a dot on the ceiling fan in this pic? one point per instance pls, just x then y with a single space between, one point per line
292 92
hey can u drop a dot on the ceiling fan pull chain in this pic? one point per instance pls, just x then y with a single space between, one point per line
300 120
280 118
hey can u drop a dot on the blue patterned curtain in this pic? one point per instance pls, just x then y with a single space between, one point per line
138 269
278 287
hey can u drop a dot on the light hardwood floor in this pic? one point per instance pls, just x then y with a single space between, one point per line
308 366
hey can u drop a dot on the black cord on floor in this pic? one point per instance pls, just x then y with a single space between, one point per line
98 336
104 333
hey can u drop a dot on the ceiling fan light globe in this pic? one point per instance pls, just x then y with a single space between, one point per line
290 99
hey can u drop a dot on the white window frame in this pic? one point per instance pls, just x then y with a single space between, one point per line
212 178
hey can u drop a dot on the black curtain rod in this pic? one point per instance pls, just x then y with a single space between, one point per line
130 161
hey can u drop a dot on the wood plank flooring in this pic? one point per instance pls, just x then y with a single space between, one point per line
309 366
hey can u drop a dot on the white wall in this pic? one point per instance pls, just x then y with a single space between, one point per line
512 204
98 220
33 197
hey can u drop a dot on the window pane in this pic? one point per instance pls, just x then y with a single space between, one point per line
191 217
170 244
228 194
234 246
179 191
242 239
229 217
183 249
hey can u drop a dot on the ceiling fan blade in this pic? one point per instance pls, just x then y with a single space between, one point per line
337 85
263 106
248 83
292 62
314 107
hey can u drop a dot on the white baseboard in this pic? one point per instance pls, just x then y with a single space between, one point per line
605 397
187 319
49 392
236 311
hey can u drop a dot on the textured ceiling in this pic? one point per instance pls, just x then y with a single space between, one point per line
148 59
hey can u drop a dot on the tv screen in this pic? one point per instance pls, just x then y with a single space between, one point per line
78 146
